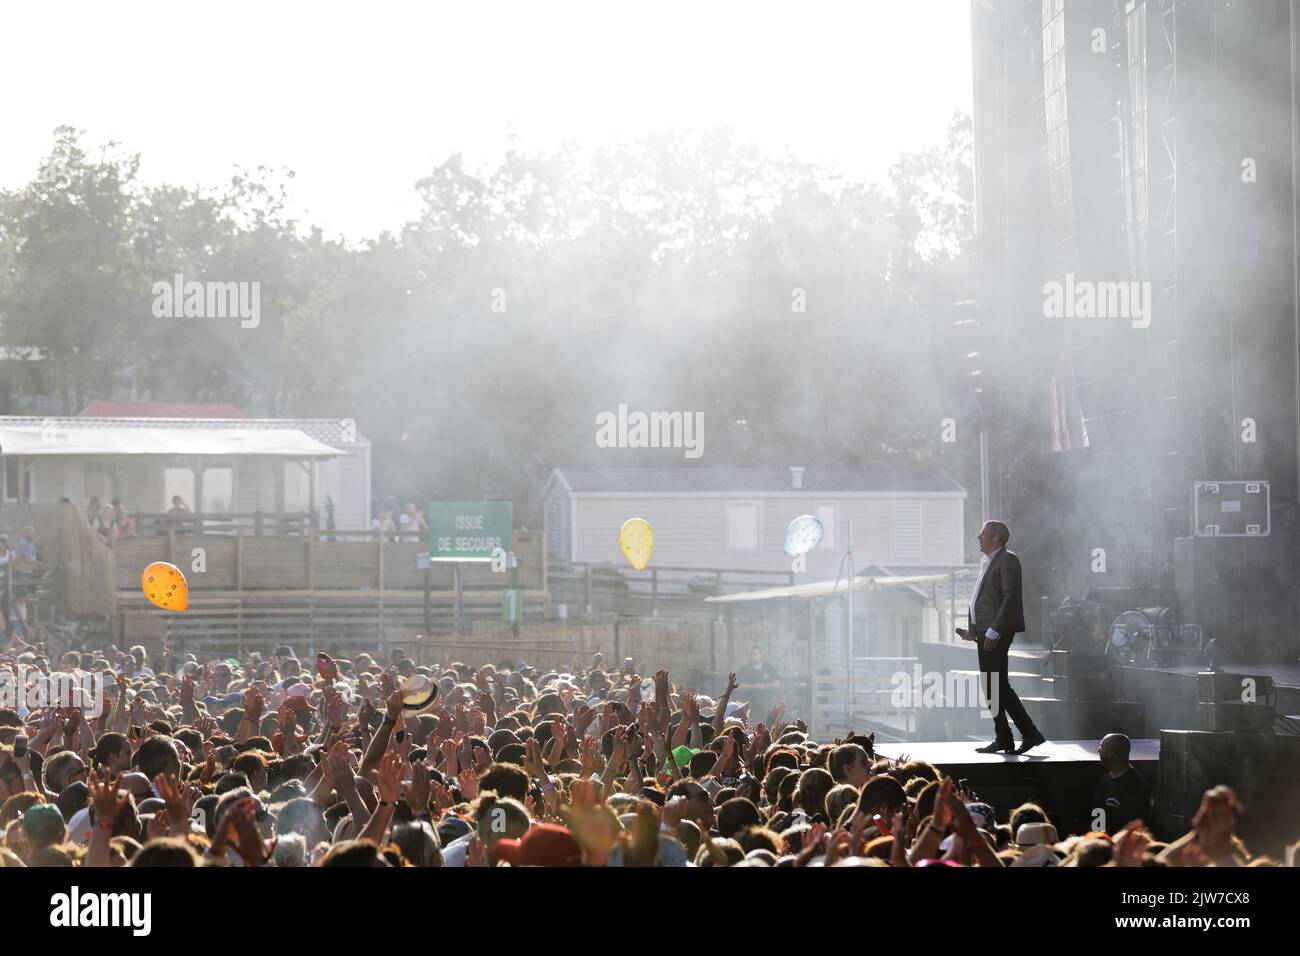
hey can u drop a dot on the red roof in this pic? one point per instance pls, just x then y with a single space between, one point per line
105 409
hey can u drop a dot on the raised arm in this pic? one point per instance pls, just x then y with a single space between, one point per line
388 783
720 712
379 742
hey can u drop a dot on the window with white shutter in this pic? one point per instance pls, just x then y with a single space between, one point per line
907 531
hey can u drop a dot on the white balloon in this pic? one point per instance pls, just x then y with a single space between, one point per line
803 534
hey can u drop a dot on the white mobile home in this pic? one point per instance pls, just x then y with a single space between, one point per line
216 465
735 518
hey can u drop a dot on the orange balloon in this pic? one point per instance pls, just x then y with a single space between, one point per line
165 587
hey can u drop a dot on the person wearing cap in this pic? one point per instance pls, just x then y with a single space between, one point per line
545 844
699 805
1035 834
43 826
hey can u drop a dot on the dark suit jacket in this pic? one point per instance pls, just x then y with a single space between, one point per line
998 603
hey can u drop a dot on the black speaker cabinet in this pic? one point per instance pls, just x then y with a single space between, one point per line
1263 770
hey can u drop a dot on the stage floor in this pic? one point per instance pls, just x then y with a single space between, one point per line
940 753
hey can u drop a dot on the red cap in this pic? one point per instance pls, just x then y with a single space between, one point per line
277 741
546 844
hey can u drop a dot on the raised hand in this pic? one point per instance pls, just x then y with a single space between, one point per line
175 795
532 758
619 753
160 826
1131 846
388 777
942 816
442 798
335 709
482 758
812 844
728 755
837 846
642 848
468 780
449 757
239 830
107 800
476 853
690 709
775 714
338 768
254 703
962 822
661 688
417 796
585 795
365 713
1215 821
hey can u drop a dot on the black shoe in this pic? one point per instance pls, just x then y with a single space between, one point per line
998 746
1030 742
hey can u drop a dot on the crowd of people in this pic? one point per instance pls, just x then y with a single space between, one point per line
286 762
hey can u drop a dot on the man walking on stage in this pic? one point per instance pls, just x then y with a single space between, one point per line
996 617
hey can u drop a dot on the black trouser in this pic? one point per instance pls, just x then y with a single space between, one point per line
1006 702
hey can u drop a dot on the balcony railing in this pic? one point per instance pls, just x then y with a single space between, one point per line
258 523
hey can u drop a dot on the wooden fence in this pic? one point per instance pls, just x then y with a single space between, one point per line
671 592
258 523
692 651
332 560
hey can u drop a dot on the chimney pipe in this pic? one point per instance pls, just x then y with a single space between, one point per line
796 477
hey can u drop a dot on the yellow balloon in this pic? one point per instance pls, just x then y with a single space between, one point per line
637 539
165 587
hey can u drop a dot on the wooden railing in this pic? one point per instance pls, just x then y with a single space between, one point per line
257 523
654 592
326 561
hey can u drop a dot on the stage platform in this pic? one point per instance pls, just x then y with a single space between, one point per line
945 753
1144 700
1058 775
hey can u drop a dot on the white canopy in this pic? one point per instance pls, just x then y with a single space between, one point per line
58 438
827 588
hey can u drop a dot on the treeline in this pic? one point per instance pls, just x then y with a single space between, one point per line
680 272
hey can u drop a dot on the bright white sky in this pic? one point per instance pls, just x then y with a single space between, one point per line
362 99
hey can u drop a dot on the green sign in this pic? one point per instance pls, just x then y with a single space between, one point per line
512 605
470 530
